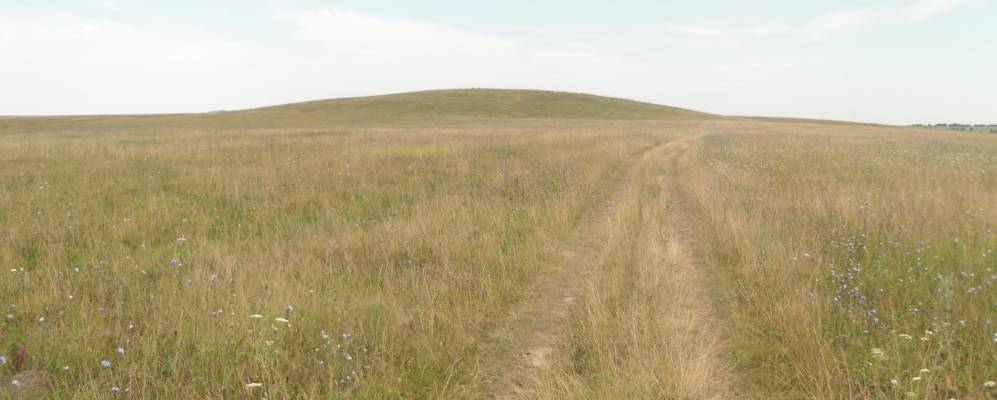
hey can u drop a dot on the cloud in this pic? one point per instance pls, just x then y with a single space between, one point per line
854 18
841 20
925 9
725 28
61 63
344 31
722 30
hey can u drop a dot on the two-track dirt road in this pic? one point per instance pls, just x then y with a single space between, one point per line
523 348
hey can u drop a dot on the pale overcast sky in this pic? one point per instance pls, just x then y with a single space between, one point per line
889 61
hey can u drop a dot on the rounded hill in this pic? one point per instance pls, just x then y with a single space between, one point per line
477 103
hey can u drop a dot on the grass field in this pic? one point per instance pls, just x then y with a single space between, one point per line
854 262
479 243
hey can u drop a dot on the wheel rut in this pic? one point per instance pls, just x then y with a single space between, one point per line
521 348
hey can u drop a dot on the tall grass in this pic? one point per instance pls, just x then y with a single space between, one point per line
354 261
379 260
855 262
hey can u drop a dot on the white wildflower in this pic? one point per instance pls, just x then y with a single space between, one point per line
256 316
252 385
281 320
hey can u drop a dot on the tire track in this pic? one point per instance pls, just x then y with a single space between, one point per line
520 350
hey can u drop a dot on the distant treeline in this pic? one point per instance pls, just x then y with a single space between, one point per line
991 128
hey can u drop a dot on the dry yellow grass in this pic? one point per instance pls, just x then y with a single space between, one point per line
397 248
853 262
318 251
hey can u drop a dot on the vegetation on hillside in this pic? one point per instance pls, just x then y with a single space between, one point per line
392 246
429 108
985 128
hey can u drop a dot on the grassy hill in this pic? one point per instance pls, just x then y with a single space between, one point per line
491 244
436 105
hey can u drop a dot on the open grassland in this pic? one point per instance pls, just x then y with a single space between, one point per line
510 244
854 262
357 261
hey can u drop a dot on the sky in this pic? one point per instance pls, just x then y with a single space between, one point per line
886 61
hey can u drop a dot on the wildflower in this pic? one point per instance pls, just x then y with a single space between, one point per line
181 239
15 382
905 336
290 309
281 320
121 350
925 370
252 385
269 342
878 354
347 356
894 382
915 379
105 364
256 316
989 384
3 360
115 389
